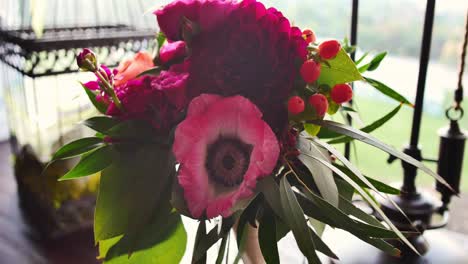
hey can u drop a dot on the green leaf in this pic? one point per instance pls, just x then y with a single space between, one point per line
137 130
321 246
296 221
106 245
270 189
207 241
348 109
101 123
333 108
161 38
201 232
100 106
323 176
163 241
281 229
371 202
384 89
362 58
380 186
319 209
267 237
374 64
366 138
349 208
314 205
370 128
77 148
327 134
364 192
341 69
92 163
222 249
242 242
137 184
153 71
311 129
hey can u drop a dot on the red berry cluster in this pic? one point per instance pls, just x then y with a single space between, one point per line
318 102
327 50
341 93
322 98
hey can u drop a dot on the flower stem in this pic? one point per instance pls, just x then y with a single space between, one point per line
109 89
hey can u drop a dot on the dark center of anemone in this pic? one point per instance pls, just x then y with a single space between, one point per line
227 161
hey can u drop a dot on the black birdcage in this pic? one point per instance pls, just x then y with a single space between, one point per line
39 41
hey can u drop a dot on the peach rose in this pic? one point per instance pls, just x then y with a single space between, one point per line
129 69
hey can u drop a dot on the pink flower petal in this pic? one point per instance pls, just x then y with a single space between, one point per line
211 117
199 105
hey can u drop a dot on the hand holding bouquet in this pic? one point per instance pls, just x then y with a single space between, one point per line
227 121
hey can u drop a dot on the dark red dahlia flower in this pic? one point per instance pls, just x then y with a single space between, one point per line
253 52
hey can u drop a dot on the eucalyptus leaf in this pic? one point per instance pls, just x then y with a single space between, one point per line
321 246
384 89
242 242
349 208
201 233
340 70
270 189
326 133
348 109
344 188
335 218
366 138
207 241
222 249
267 238
323 176
100 106
91 163
296 221
319 209
371 202
77 148
364 192
380 186
369 128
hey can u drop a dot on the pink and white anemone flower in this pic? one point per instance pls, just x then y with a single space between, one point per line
223 148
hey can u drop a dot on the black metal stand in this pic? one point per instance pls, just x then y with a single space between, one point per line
440 246
446 247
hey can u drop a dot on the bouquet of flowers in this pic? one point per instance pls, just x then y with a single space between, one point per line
228 120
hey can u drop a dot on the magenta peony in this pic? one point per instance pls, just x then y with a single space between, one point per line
208 14
254 52
158 100
223 147
172 52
